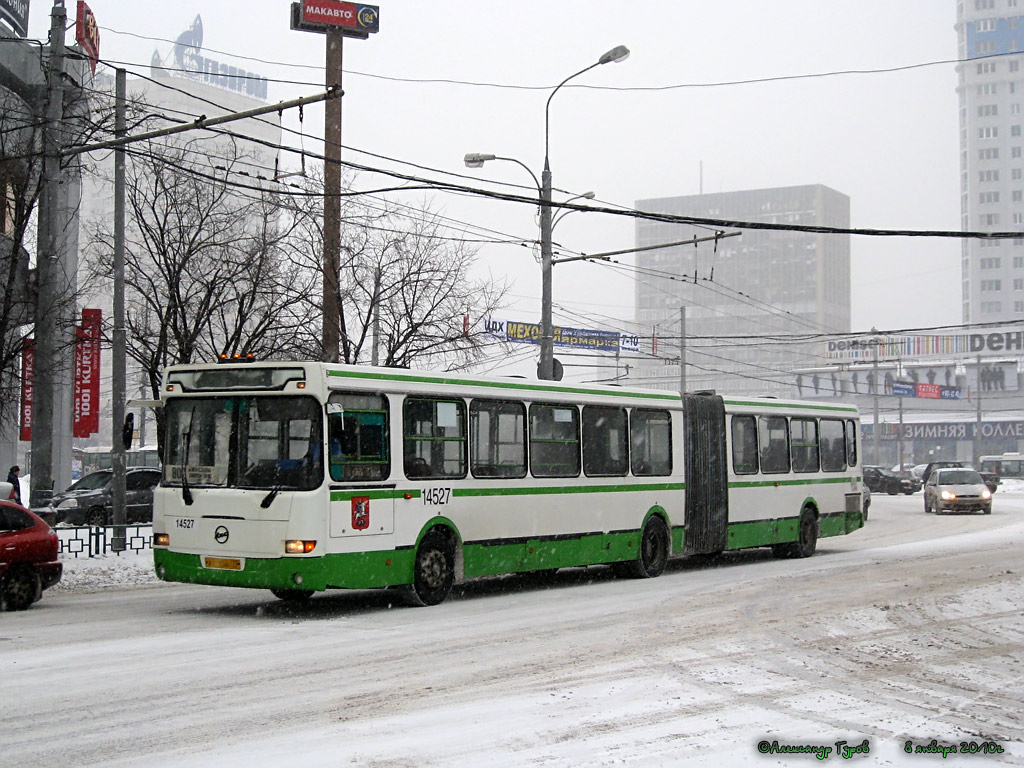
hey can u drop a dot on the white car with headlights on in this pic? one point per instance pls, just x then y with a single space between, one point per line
956 489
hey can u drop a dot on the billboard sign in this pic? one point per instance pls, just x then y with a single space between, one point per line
87 33
189 62
15 13
27 369
87 374
354 19
576 338
1000 341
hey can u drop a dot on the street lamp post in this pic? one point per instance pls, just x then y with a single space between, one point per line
547 334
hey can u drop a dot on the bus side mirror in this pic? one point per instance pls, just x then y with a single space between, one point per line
128 432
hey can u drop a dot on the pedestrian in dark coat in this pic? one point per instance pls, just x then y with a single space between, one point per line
12 478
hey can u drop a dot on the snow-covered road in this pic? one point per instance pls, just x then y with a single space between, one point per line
907 631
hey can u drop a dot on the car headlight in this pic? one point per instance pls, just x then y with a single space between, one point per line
948 495
986 494
68 504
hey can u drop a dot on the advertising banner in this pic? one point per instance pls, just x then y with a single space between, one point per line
1003 341
27 369
928 391
578 338
15 13
354 18
87 33
87 374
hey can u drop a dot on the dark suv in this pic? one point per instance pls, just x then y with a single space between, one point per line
881 480
88 501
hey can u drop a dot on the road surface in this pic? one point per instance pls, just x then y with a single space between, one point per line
905 632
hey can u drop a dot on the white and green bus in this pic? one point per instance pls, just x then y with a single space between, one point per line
303 477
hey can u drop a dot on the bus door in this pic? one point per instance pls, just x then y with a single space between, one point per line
359 465
707 482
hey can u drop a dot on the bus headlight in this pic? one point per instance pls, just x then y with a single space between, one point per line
161 539
299 547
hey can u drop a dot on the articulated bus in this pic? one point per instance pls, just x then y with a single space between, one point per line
303 477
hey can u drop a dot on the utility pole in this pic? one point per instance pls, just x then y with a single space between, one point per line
332 199
682 350
375 358
50 282
877 430
977 423
547 330
900 436
120 345
336 23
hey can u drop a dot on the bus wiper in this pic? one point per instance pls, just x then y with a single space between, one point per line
269 498
186 492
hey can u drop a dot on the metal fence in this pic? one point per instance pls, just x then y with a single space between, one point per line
95 540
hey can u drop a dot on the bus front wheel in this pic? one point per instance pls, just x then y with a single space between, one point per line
654 550
434 570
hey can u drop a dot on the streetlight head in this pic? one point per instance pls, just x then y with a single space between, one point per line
616 54
477 159
588 195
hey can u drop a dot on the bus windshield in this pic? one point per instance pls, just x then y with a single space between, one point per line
260 441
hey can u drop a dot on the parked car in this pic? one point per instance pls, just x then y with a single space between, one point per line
991 479
28 555
881 480
956 489
88 501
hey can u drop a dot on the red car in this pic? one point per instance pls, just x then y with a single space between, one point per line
28 555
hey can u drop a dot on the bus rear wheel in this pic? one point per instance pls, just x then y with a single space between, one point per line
433 572
807 542
654 550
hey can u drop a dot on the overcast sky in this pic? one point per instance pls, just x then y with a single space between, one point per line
888 140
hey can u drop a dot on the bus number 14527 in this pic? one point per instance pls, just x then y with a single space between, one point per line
436 496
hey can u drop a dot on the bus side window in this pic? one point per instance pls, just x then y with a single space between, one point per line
852 427
497 438
773 440
554 440
650 442
833 446
357 437
604 441
744 445
805 445
434 431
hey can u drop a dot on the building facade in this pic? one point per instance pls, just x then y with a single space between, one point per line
752 302
990 90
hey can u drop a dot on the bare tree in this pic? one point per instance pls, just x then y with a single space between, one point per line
205 272
403 271
19 195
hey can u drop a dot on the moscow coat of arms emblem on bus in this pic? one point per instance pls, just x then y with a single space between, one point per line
360 512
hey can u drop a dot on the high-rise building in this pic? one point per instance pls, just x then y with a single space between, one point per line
755 304
990 35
